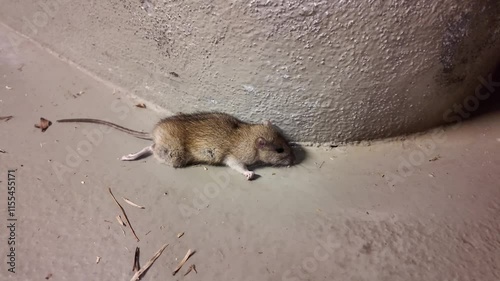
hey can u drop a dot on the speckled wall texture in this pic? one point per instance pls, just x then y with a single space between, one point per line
324 71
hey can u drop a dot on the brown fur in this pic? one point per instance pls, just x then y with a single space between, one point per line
211 138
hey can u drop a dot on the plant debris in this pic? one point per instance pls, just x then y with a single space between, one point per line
320 165
8 87
98 259
183 261
434 158
78 94
2 151
141 105
48 276
44 124
120 221
138 274
136 266
124 214
132 203
6 118
192 267
179 235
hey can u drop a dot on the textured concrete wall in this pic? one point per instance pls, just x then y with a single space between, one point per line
323 70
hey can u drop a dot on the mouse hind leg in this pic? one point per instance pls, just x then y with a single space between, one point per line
145 152
174 156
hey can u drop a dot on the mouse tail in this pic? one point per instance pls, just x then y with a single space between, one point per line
137 134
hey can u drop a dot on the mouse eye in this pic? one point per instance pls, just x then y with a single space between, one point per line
280 150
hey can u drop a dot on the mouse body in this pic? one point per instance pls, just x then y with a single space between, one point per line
212 138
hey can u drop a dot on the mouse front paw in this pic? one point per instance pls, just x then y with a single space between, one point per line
249 175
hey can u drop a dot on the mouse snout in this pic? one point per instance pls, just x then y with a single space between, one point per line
288 160
291 160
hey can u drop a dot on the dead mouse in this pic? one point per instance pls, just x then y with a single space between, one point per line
210 138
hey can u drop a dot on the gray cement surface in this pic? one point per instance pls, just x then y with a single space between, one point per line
341 71
426 208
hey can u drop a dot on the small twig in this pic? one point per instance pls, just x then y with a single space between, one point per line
124 214
192 267
435 158
132 203
120 221
183 261
136 260
138 274
6 118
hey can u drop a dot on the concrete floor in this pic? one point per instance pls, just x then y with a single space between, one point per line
375 212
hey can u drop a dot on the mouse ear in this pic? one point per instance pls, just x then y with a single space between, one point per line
267 123
260 142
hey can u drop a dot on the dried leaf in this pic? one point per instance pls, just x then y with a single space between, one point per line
44 124
141 105
132 203
138 274
183 261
